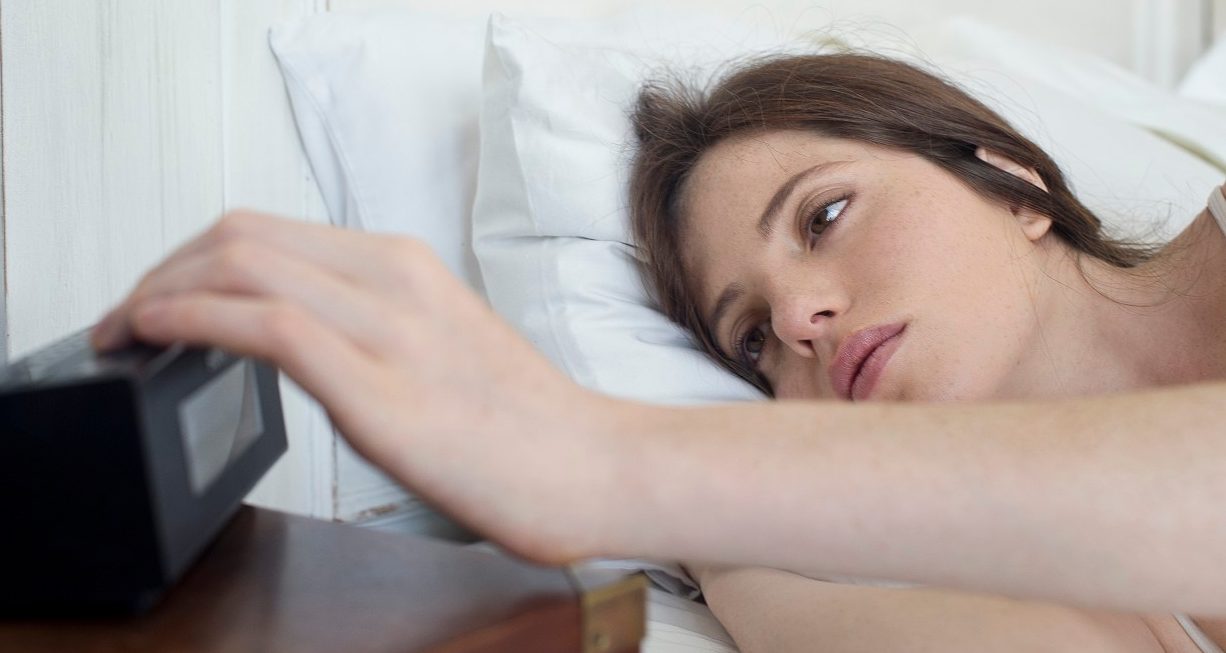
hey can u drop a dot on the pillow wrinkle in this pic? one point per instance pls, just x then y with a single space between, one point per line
335 140
560 324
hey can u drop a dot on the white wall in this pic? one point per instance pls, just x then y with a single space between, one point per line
129 125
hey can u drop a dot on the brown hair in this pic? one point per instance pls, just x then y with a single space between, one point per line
859 97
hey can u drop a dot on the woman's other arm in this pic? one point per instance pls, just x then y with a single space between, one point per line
767 610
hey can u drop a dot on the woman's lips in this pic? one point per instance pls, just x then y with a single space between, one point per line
861 358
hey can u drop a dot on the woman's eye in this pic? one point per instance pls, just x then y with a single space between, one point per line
824 215
752 344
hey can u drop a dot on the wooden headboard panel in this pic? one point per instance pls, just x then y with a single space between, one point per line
128 125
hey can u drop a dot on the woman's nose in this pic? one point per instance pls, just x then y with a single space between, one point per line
801 325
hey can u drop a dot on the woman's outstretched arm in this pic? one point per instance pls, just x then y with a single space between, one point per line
1109 502
1112 502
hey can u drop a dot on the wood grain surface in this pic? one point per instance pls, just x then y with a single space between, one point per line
279 583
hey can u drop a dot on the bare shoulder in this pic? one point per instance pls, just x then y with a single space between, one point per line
771 610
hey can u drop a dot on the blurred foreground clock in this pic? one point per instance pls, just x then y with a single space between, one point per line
118 469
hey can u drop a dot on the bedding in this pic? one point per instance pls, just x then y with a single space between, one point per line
1206 79
677 625
970 46
392 143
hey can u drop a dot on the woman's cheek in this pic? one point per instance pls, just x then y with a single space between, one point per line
798 378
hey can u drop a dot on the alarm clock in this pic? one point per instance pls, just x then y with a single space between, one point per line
119 468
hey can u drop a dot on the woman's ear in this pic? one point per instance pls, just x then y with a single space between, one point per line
1010 166
1034 225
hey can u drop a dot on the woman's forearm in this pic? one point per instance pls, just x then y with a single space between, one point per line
1114 502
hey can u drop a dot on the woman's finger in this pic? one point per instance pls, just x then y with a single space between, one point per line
323 362
373 260
249 268
395 268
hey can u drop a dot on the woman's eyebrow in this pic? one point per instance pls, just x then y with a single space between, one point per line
766 224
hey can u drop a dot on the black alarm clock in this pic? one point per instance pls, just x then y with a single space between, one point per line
118 469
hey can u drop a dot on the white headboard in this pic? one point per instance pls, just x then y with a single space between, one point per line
128 125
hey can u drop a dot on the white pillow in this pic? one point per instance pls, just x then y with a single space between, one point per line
1099 82
550 224
386 104
1206 79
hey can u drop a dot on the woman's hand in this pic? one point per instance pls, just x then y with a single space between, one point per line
416 371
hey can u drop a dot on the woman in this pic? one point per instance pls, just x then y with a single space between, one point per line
860 230
1108 501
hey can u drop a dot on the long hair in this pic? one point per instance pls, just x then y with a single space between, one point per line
860 97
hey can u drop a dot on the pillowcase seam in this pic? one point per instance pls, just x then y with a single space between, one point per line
563 341
351 186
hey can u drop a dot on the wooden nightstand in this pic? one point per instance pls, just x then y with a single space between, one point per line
275 582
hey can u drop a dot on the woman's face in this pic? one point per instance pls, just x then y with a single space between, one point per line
845 270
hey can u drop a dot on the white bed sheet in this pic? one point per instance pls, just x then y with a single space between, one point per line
678 625
675 623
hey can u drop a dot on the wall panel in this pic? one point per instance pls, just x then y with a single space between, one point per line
112 150
130 125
